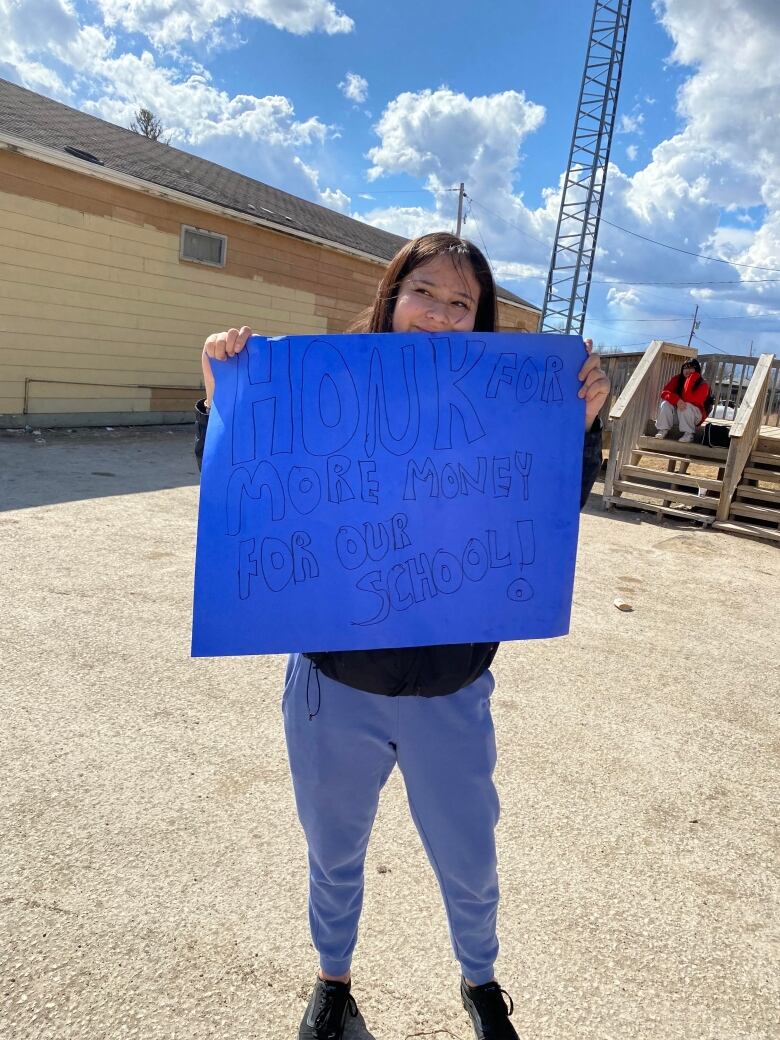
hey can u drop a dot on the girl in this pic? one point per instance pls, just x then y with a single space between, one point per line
684 398
425 709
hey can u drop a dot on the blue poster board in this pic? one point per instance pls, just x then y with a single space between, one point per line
389 490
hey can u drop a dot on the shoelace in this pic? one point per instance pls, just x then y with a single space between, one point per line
487 995
328 1005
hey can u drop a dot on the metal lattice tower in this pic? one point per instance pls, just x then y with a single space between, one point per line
568 282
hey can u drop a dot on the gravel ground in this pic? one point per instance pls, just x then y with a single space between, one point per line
153 880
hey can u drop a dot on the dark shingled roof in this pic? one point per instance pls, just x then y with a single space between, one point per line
45 122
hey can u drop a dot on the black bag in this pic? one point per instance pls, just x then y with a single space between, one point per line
715 436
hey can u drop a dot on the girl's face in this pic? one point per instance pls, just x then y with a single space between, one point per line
437 297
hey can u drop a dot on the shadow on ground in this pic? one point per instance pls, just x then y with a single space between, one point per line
356 1029
47 467
630 514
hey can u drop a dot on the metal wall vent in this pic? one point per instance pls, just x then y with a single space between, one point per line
79 153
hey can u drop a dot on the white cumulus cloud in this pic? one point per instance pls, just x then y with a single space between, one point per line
169 22
695 186
630 124
192 109
260 136
444 137
39 37
447 136
354 87
330 197
711 187
408 221
624 297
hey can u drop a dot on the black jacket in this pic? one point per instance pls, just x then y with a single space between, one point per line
425 671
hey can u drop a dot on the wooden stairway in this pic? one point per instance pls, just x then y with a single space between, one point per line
659 478
755 508
734 489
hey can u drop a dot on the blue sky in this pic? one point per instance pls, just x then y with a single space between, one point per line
380 110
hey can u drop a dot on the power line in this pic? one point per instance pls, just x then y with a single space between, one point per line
644 238
626 346
706 343
719 281
744 317
396 191
618 227
716 317
607 281
660 298
770 318
479 229
517 227
688 252
406 191
609 321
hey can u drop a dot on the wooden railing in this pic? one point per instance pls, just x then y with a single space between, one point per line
619 369
745 431
637 403
729 376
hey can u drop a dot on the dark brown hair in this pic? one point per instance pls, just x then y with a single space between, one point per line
379 316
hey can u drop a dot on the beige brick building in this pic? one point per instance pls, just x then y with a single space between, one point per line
118 255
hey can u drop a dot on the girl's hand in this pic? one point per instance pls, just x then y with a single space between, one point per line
595 385
221 345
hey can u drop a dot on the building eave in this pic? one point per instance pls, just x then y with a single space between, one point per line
10 143
55 157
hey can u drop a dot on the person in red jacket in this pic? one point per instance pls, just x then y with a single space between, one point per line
684 399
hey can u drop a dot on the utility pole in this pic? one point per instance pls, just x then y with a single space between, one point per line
694 324
461 193
751 348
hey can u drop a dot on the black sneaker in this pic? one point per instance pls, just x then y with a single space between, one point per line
488 1010
327 1011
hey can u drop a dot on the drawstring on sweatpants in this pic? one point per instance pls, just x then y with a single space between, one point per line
319 691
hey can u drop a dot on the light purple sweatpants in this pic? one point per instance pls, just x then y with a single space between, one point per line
343 744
